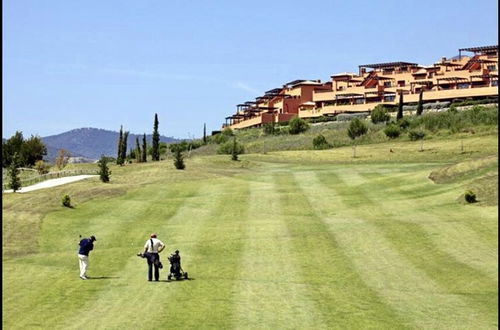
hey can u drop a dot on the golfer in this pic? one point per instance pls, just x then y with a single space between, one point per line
152 248
86 245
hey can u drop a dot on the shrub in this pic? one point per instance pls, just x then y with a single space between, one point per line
356 128
392 131
41 167
179 160
298 125
380 115
416 135
104 171
470 197
220 138
319 143
66 201
269 129
227 148
404 123
227 131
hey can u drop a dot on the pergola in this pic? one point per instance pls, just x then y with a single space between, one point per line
481 49
386 65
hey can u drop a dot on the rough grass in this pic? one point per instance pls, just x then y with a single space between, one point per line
285 240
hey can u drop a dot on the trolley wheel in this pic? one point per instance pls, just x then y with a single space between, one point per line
169 277
186 275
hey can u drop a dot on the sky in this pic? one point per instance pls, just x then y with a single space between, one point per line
103 64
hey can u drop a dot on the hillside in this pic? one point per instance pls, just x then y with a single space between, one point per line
91 142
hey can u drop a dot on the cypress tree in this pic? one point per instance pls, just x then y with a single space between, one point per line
234 152
155 153
400 106
124 147
144 149
15 181
138 155
119 159
420 105
204 133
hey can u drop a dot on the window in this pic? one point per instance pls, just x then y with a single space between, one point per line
359 101
492 67
401 83
463 85
494 83
387 84
389 98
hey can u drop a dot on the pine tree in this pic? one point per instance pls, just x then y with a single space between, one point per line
119 159
204 133
104 171
144 149
420 105
178 159
400 106
15 181
156 141
138 155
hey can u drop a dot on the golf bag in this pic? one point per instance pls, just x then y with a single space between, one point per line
176 270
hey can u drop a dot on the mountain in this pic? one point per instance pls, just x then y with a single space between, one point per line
92 143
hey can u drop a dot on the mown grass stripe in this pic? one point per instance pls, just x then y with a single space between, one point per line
408 289
334 283
469 292
271 291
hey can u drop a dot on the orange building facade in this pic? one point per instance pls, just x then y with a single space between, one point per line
471 76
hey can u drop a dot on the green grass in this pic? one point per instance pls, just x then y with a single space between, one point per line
283 240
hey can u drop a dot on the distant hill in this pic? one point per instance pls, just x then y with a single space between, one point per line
91 143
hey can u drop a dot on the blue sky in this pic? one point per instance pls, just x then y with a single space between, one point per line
102 64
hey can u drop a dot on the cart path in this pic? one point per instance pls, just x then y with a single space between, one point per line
52 183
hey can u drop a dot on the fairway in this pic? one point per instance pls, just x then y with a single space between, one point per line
268 244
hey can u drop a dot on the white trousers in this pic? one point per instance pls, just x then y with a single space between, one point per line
84 263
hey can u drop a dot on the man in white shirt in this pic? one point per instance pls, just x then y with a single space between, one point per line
152 248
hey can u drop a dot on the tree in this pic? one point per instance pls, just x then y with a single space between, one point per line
234 152
62 158
204 133
178 159
144 149
124 145
420 105
400 106
15 181
298 125
356 129
380 115
156 141
11 147
104 171
119 158
32 150
319 142
138 155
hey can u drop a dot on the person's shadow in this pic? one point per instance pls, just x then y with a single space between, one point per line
102 277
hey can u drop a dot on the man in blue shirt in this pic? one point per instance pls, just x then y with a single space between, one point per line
86 245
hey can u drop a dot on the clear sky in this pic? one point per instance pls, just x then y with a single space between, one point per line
106 63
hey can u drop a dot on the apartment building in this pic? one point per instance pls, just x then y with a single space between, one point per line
470 76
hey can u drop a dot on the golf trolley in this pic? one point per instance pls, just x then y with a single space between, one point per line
176 270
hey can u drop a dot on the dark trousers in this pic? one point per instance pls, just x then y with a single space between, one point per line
154 260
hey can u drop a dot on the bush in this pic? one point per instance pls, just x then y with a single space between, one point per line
416 135
392 131
356 128
227 131
319 143
404 123
298 125
220 138
178 159
269 129
470 197
351 116
380 115
42 167
104 171
66 201
227 148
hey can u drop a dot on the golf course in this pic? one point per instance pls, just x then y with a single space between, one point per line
304 239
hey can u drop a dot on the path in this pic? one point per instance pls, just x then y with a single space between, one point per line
52 183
